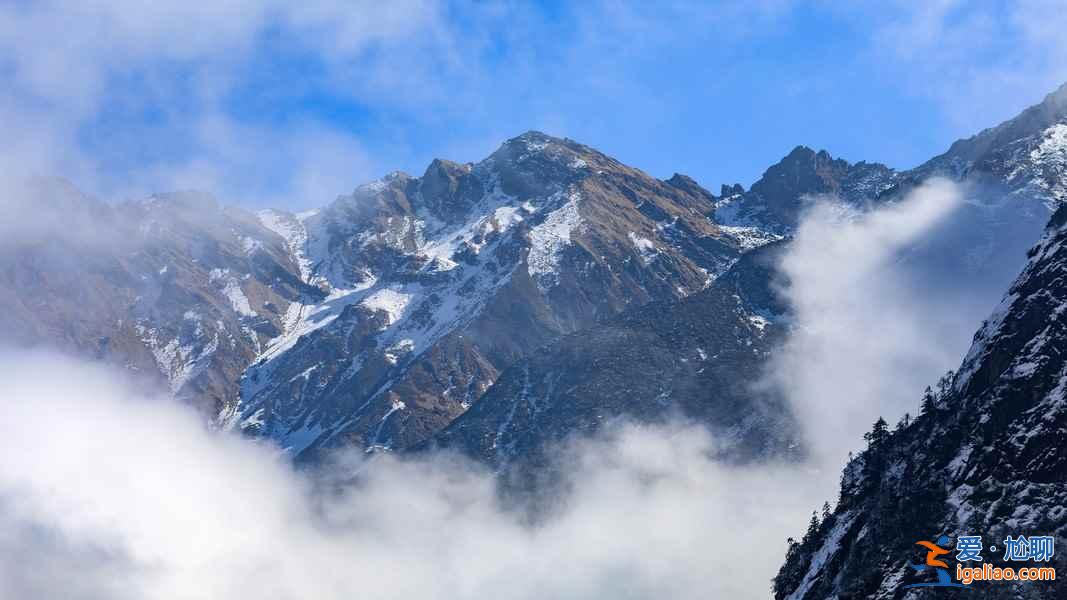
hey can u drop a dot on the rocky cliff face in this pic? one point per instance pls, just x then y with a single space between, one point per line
984 457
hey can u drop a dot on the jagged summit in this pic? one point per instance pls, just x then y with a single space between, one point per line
802 152
538 140
775 201
731 190
534 136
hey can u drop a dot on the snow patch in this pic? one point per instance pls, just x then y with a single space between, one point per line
231 289
292 230
249 245
748 238
646 248
549 239
179 362
390 300
399 349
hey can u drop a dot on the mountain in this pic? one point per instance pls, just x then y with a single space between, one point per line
700 357
696 358
775 202
384 319
1020 160
984 457
174 288
433 285
646 363
376 320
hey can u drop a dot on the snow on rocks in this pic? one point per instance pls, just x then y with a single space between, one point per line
391 301
231 290
646 248
549 239
1050 156
292 230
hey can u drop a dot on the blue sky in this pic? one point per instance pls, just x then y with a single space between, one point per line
267 104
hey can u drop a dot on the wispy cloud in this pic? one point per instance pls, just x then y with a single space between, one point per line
983 62
888 300
124 99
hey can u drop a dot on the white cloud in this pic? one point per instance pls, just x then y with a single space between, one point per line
69 68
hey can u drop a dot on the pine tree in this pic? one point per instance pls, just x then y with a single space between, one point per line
927 406
878 435
875 456
812 533
826 511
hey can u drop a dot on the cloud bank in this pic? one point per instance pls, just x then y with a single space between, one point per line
105 494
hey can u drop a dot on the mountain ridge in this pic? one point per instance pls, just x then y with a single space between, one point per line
400 304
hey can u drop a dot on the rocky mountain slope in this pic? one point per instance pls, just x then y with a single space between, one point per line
1025 155
984 457
433 285
697 358
174 288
